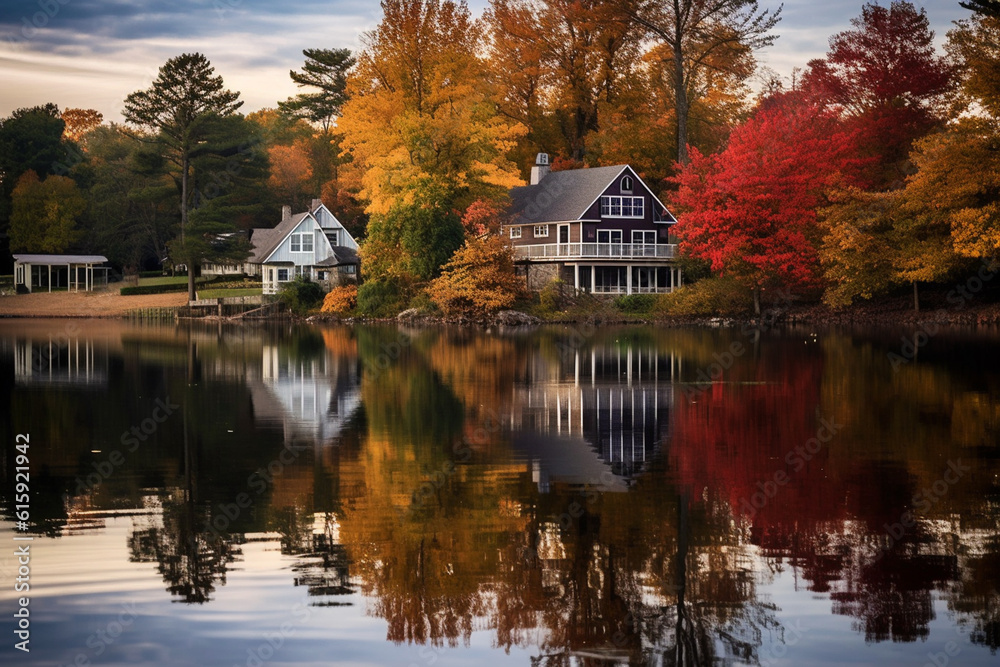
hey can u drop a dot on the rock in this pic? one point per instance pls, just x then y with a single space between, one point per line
514 318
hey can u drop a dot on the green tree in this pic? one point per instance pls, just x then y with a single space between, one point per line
178 105
325 69
130 198
30 139
45 214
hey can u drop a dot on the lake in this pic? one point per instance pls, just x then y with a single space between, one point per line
208 494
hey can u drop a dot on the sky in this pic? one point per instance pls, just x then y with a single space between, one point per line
93 53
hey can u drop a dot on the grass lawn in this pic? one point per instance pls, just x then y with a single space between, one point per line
227 293
165 280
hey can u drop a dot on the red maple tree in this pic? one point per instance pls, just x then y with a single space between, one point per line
751 210
886 79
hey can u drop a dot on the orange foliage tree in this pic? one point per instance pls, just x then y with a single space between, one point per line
341 300
478 280
290 172
79 122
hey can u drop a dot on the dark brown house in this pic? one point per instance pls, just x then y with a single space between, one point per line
601 230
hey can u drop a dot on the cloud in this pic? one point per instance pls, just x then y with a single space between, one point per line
92 53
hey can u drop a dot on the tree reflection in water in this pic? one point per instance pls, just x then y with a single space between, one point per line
469 492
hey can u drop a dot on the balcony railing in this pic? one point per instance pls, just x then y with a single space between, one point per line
596 251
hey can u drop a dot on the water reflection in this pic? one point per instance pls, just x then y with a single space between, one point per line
591 500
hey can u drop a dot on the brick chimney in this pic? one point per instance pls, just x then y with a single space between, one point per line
286 213
541 168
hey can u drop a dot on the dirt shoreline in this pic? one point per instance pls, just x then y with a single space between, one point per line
936 308
109 304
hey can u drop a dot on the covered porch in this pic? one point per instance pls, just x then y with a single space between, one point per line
626 278
71 273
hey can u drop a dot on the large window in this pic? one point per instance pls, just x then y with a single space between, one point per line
302 242
609 236
644 237
515 232
541 231
622 207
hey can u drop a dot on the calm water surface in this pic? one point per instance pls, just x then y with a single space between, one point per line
214 495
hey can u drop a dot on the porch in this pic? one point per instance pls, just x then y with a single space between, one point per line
596 251
626 279
71 273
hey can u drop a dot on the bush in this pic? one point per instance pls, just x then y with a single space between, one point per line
341 300
301 295
383 297
712 296
636 304
479 279
551 296
154 289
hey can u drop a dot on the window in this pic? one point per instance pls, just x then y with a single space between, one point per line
282 275
541 231
515 232
622 207
302 242
627 184
647 237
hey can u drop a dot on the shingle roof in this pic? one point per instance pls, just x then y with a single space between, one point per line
266 240
561 196
341 255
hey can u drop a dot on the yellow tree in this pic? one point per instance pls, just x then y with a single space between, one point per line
422 112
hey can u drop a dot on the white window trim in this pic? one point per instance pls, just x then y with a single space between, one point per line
631 184
299 238
515 232
609 232
544 228
279 280
644 233
607 202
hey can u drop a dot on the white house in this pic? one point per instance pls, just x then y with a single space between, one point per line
313 244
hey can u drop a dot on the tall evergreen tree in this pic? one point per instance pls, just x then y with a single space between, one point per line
177 107
325 69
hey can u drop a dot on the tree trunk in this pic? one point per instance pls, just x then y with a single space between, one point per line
680 96
916 298
185 166
756 301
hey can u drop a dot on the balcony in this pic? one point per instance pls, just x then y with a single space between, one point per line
595 251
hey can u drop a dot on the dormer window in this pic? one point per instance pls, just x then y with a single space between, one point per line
627 184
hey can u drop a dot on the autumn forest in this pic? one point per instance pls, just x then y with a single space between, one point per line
871 170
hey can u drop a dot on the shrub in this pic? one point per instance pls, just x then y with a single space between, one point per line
341 300
551 297
637 304
301 295
383 297
153 289
479 279
712 296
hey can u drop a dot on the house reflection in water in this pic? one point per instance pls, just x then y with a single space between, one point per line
310 396
596 419
60 359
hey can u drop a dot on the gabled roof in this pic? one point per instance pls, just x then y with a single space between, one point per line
266 241
565 196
